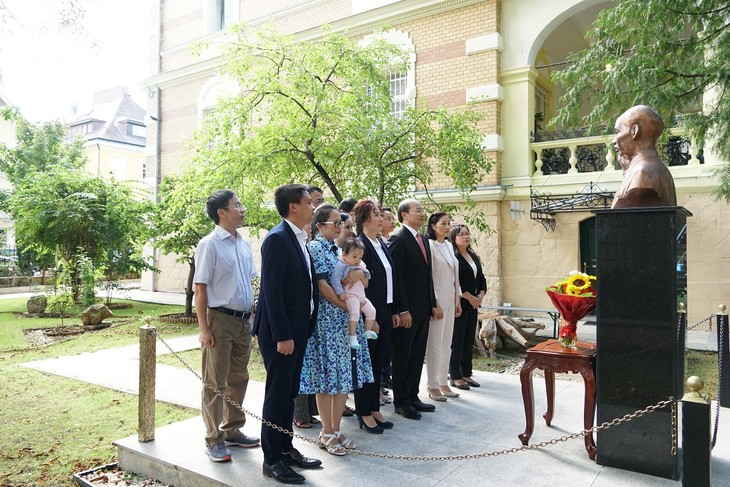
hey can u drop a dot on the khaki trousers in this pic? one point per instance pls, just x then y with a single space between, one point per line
225 366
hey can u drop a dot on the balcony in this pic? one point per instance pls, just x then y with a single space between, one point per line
572 153
575 163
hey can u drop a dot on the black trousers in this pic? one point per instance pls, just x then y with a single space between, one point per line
282 386
462 342
367 398
409 350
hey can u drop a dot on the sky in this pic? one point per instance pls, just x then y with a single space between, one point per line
45 73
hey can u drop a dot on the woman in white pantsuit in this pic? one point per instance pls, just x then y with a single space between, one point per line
445 270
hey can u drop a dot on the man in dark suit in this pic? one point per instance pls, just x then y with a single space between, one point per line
416 304
285 317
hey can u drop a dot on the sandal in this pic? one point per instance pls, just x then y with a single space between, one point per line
332 445
345 441
314 420
305 425
348 411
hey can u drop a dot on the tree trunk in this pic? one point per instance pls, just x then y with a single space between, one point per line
189 291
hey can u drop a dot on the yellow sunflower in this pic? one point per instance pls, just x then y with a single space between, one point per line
573 290
580 281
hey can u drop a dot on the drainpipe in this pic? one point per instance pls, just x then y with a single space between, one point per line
158 131
98 160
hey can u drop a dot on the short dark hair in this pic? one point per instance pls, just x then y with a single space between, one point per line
311 189
347 205
351 245
361 212
386 208
286 195
432 220
321 214
216 201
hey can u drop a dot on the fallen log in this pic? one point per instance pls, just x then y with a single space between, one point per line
520 331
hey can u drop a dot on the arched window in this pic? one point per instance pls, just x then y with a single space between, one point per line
402 84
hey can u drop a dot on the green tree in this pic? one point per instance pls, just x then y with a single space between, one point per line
69 212
320 112
663 54
179 222
39 148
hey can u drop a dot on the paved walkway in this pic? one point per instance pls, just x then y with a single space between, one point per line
483 419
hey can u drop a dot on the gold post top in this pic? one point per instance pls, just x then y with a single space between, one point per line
680 305
722 309
695 385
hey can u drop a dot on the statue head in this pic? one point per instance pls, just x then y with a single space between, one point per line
637 129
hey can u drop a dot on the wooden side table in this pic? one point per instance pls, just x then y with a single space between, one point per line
551 357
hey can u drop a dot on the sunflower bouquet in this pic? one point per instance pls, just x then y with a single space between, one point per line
574 297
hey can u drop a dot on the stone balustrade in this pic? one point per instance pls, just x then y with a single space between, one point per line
596 154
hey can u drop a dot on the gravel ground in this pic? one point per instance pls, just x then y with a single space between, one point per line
115 476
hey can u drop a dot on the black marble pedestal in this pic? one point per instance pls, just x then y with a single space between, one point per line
640 338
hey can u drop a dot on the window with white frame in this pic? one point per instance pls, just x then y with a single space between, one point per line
399 93
219 14
402 83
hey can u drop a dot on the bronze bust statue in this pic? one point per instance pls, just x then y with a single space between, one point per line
646 180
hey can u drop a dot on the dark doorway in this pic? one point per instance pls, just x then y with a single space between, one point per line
588 246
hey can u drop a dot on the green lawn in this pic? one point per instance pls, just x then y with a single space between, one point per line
56 426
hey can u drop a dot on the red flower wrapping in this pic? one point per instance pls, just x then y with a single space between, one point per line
572 308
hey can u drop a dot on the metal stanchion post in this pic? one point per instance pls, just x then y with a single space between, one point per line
696 428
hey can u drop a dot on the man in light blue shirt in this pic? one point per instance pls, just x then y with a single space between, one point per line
224 269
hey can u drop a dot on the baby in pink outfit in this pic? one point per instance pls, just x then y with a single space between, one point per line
354 295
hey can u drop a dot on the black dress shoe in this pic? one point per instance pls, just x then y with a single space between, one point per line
408 412
282 472
422 406
377 429
463 387
296 459
386 425
471 382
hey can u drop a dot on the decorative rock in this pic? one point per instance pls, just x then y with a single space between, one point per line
94 315
37 304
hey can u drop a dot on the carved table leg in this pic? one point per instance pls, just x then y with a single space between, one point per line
527 398
550 389
589 409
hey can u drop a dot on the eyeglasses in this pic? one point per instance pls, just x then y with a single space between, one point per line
239 206
420 211
338 223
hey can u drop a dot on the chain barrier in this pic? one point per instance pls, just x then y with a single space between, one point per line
709 318
228 399
604 426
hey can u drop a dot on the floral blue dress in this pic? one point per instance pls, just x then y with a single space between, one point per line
328 361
